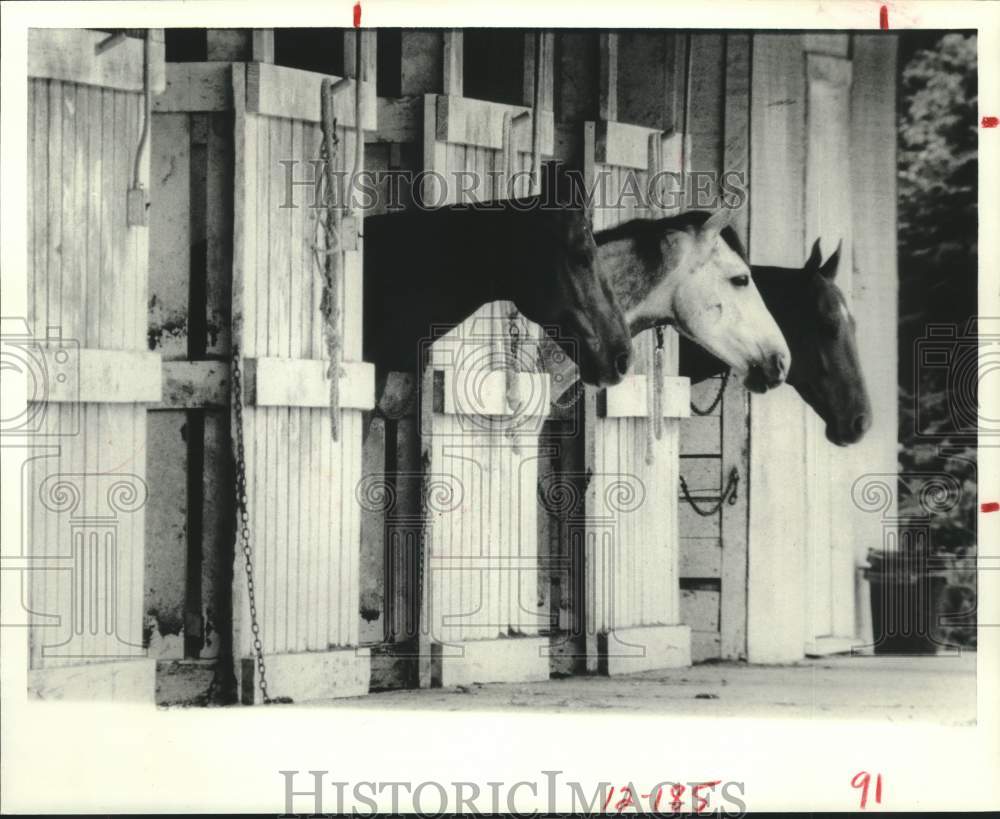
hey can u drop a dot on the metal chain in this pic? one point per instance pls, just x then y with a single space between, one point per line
711 407
242 505
728 495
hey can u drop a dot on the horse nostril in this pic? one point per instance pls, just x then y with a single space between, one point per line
621 363
779 366
862 423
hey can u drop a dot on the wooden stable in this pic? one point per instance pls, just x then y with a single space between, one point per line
375 560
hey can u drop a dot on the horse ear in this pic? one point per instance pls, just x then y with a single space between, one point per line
829 269
815 259
717 222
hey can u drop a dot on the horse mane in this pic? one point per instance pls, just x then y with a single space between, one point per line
647 232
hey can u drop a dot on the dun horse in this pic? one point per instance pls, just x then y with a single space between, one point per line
431 269
685 271
812 313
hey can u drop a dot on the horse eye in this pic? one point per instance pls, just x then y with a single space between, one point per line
740 281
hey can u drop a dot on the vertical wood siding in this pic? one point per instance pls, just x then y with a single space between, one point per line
87 282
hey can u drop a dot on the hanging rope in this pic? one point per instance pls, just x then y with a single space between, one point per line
332 261
728 495
718 396
654 398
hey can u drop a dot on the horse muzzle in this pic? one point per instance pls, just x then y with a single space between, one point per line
768 373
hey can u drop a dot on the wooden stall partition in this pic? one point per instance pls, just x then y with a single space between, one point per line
479 601
85 484
778 532
829 560
304 519
629 534
191 512
875 285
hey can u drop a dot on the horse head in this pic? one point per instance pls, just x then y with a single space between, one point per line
557 282
826 369
685 271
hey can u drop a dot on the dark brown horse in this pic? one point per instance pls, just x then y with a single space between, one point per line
428 270
813 316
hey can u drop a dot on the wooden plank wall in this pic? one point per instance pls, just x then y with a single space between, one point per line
492 477
301 483
190 521
828 206
819 109
87 285
779 532
632 558
875 278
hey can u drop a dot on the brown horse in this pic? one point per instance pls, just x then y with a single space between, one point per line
813 316
428 270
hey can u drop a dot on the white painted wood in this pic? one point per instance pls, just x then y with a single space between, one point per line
288 382
630 398
489 394
278 91
463 121
82 375
70 55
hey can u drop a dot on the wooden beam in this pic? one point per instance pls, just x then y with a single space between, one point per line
630 399
196 87
70 55
194 385
607 107
490 395
400 119
627 146
89 376
277 91
547 68
452 51
298 382
478 122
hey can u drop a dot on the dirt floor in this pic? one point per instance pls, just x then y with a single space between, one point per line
939 690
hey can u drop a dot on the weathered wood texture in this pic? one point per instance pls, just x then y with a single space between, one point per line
87 291
191 246
828 470
715 106
778 531
480 471
304 518
631 554
874 274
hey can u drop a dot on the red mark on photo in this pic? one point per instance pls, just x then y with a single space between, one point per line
991 122
992 506
883 18
861 780
357 15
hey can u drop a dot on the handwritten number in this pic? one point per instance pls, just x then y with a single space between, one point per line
862 780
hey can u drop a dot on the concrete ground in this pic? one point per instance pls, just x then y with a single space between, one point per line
939 690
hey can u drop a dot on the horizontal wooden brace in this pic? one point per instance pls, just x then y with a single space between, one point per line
194 385
630 399
302 382
70 55
89 376
197 87
400 120
277 91
627 146
486 393
465 121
